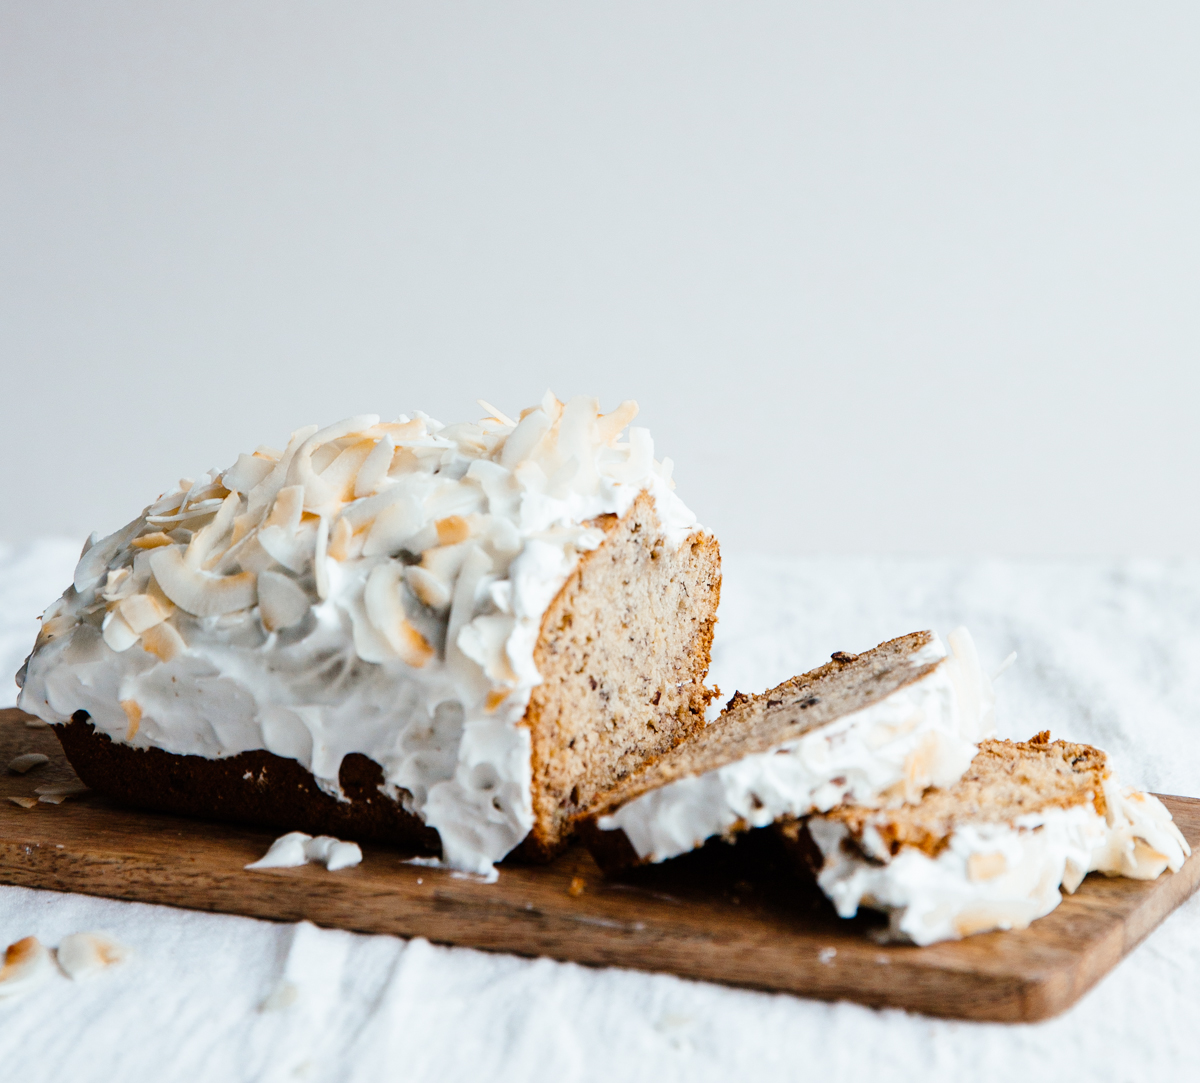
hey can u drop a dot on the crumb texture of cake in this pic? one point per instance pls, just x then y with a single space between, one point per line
623 655
460 605
993 850
876 728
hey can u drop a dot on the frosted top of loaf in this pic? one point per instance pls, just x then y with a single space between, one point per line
372 587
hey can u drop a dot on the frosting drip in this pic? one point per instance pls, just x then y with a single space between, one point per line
372 588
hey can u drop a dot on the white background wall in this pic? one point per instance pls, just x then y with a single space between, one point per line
909 278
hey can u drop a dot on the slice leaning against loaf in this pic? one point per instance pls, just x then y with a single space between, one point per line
990 851
877 728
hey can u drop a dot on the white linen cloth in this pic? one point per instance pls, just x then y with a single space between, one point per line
1109 654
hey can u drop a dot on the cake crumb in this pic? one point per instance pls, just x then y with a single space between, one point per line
577 886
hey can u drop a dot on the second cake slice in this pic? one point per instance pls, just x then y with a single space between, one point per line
875 728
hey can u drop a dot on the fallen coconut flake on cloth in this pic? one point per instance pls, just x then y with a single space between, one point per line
84 955
26 964
24 802
296 848
27 762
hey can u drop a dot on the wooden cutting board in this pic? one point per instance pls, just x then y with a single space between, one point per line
733 914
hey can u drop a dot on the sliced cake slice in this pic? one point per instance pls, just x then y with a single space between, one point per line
875 728
992 850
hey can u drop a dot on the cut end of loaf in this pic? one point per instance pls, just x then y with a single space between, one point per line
623 653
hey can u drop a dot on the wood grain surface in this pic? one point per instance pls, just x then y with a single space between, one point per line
732 914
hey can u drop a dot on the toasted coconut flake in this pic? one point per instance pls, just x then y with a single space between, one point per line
552 407
609 427
164 641
55 626
385 610
640 461
374 470
117 633
84 955
320 495
287 509
444 561
524 438
197 592
133 712
428 588
341 474
340 536
394 526
26 762
504 419
206 540
24 802
93 564
150 541
496 697
195 511
281 601
117 584
293 550
247 472
242 525
452 530
26 964
141 611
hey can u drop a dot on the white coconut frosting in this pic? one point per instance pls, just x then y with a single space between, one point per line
371 588
921 735
997 875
